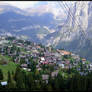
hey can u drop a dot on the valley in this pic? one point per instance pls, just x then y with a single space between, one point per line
46 46
21 60
66 33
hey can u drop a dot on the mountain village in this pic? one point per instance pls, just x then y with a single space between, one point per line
21 50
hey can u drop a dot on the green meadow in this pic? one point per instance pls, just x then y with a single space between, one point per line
11 67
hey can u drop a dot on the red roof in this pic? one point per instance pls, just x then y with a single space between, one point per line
83 59
45 62
64 52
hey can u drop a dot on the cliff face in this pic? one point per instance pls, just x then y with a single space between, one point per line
81 14
77 21
76 32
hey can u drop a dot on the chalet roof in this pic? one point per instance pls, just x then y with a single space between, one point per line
83 59
23 65
38 47
25 68
64 52
29 69
90 65
35 51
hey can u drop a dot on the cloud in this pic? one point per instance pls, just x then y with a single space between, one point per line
48 7
20 4
40 7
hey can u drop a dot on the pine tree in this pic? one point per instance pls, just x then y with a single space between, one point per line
9 77
19 78
30 81
49 88
18 69
20 82
32 65
37 86
1 75
37 75
11 82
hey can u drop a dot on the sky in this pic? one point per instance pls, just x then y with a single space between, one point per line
27 4
39 6
24 4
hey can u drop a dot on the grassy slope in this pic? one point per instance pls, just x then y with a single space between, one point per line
9 67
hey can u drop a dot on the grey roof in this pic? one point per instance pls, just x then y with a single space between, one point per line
4 83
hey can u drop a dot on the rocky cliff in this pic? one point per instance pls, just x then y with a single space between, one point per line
76 33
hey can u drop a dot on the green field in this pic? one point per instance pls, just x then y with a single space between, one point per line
11 67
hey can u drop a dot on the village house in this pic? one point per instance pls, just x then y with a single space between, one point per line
14 41
28 51
37 66
34 51
28 69
16 60
27 61
24 68
45 77
62 65
54 74
75 63
87 66
38 47
78 69
42 59
2 38
63 52
67 62
54 58
36 81
90 67
4 83
83 60
83 73
22 56
71 66
34 55
42 49
76 57
49 60
56 54
59 63
20 44
24 65
66 67
47 54
39 69
45 62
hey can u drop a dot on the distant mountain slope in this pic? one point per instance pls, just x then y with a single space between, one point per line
19 22
71 34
